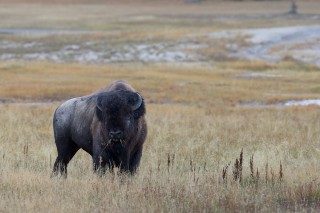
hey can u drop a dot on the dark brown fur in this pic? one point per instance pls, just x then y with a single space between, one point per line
105 125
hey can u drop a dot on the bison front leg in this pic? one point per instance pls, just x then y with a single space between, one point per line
135 161
125 159
101 162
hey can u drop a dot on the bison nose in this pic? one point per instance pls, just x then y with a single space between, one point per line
116 134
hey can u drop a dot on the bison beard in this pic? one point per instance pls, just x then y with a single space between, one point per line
108 124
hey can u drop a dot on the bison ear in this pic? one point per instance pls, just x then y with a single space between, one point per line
137 105
99 107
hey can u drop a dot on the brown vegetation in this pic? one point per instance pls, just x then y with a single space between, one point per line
185 165
202 85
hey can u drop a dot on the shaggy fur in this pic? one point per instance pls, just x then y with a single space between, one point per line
108 124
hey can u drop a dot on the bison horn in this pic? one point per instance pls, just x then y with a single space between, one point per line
137 104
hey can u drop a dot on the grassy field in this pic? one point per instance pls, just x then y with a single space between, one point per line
198 127
196 130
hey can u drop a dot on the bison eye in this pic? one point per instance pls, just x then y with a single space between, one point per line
127 120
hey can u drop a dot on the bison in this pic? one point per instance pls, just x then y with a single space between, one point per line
109 124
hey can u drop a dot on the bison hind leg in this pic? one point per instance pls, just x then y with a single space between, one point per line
66 150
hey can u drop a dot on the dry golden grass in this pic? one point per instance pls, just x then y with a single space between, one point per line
199 141
220 84
194 124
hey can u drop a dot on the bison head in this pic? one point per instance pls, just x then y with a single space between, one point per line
118 111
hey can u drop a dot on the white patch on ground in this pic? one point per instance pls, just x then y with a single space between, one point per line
257 75
300 43
306 102
6 56
303 102
283 34
274 44
72 47
49 32
99 51
14 45
88 56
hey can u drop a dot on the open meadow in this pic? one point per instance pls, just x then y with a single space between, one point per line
225 134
